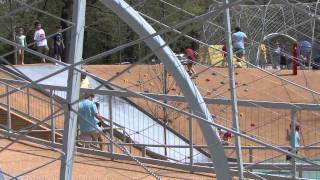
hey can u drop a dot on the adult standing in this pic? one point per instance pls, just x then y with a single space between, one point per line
41 41
283 58
276 56
316 54
305 49
238 38
88 120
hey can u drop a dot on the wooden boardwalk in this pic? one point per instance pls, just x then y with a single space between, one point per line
21 157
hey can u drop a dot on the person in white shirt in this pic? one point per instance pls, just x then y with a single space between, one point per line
41 41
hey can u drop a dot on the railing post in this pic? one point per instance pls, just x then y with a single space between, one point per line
250 155
124 135
53 124
28 102
8 110
233 92
300 171
292 141
144 151
190 139
111 123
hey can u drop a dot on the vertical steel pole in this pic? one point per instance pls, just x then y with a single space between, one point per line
53 124
174 67
111 123
292 141
144 151
73 90
164 91
8 110
235 118
28 102
190 139
295 59
165 117
250 155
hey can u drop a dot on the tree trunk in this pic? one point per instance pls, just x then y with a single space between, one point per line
66 13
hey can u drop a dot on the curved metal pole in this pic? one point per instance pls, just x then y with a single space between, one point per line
272 35
173 65
313 32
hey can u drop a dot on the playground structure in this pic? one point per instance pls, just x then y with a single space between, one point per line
156 115
268 24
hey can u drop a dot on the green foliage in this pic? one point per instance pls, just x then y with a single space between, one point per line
104 30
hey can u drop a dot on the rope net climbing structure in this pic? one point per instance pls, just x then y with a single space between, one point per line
147 118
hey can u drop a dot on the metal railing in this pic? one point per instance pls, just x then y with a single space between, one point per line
30 104
127 132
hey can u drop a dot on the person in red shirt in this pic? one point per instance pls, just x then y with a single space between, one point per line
224 53
191 56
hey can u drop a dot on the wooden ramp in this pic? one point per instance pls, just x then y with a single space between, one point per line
23 156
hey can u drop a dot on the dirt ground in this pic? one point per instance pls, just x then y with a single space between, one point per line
20 158
267 124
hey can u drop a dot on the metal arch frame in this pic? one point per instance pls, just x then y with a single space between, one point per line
194 98
272 35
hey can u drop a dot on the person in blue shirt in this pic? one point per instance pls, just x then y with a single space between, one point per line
296 140
89 116
304 51
238 38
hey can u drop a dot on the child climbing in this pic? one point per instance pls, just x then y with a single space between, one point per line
226 136
191 56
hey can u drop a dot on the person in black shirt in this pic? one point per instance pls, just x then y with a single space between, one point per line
58 45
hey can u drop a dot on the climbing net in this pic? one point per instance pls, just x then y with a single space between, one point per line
299 21
258 122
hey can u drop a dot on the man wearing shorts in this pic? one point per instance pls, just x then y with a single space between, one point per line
41 41
88 124
238 38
